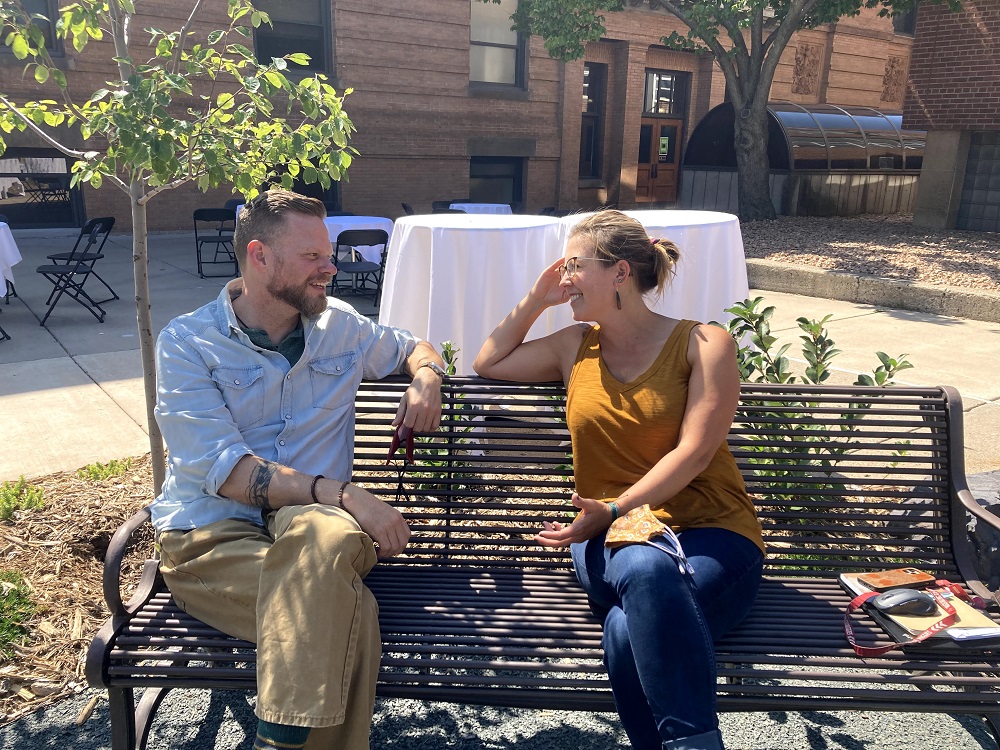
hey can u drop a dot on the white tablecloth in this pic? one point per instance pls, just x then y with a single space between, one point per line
452 277
337 224
712 271
483 208
9 254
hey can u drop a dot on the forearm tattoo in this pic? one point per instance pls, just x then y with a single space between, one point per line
260 482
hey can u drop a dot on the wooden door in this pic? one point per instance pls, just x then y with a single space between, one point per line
659 155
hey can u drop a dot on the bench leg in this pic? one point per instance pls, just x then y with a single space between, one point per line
993 722
121 707
144 713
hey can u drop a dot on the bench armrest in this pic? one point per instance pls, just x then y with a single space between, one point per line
113 561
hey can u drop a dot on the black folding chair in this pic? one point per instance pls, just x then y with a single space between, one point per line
232 203
68 278
447 211
361 271
103 227
440 205
214 228
408 209
339 213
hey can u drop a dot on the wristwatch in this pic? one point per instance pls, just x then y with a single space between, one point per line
435 368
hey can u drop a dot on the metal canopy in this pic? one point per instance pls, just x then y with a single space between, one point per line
817 137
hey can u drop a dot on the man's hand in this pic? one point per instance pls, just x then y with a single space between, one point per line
594 517
420 407
383 523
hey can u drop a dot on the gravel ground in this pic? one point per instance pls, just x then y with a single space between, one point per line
195 720
887 246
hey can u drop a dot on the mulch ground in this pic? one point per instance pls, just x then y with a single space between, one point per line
59 549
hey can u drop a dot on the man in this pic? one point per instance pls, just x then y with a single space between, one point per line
261 534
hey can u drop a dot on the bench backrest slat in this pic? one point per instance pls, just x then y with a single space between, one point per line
844 478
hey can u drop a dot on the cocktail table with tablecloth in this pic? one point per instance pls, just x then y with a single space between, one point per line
453 278
9 255
483 208
337 224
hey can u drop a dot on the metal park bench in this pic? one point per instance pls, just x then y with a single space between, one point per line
474 612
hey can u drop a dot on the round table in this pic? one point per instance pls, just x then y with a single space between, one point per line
451 277
337 224
483 208
9 254
711 274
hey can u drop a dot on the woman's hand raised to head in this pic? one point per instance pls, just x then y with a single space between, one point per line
506 356
546 289
594 517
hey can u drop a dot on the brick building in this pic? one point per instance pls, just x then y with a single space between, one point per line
449 103
954 92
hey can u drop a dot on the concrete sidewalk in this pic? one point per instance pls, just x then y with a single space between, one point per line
71 392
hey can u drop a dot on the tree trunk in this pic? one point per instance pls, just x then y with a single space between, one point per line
140 266
752 165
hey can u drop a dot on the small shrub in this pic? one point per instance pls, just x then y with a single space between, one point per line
16 608
98 471
760 363
19 495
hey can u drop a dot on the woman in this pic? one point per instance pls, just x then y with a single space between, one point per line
650 402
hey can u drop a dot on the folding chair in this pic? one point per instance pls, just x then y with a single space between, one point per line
362 271
408 209
232 203
214 227
440 205
68 278
103 227
447 211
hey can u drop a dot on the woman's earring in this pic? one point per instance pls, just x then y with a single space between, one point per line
618 299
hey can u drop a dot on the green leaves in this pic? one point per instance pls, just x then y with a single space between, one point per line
759 363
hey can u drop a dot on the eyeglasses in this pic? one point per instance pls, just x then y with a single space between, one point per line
569 267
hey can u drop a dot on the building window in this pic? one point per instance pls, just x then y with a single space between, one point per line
49 12
496 179
35 191
905 23
496 52
296 26
666 93
595 78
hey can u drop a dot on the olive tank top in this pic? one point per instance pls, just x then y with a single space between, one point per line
620 430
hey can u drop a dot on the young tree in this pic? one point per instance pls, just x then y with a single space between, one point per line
184 108
746 38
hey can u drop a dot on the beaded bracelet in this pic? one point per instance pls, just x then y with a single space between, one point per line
340 494
312 488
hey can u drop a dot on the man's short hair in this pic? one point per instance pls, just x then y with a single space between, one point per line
263 218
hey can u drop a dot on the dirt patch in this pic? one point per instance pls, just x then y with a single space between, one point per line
59 549
886 246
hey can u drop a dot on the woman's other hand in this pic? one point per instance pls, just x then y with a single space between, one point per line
594 518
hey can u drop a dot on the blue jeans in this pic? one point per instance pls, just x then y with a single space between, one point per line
659 625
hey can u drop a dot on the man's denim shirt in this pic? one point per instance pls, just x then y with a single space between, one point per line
221 398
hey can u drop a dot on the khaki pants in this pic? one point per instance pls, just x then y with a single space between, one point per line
295 590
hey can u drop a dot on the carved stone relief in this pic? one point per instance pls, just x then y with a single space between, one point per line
893 80
805 74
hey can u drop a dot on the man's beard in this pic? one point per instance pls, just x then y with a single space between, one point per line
298 297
